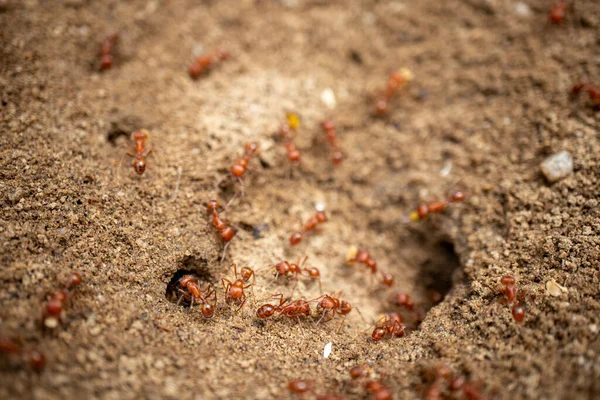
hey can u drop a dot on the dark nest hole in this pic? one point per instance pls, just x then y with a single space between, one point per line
189 265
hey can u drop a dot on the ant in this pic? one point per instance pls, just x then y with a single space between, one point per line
404 300
286 134
238 170
511 295
390 324
379 390
202 65
291 270
234 292
299 386
139 139
423 210
57 301
287 308
360 370
190 291
34 358
226 233
557 15
333 305
311 224
106 56
593 93
443 378
364 257
336 154
396 82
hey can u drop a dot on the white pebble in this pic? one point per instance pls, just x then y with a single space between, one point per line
328 98
522 9
327 350
557 166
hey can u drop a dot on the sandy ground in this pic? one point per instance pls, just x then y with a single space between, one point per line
490 101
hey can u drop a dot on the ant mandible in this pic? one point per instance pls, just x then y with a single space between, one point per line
423 210
202 65
234 292
106 56
396 82
226 233
311 224
336 154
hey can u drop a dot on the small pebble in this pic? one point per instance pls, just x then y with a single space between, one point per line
557 166
522 9
328 98
554 289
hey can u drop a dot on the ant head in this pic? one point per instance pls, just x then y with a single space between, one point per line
212 205
345 307
139 165
142 134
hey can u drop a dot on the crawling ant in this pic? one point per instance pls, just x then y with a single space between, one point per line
379 390
390 324
364 257
139 155
106 53
291 270
239 168
34 358
593 93
511 295
557 14
332 305
234 292
336 154
286 134
359 371
226 233
202 65
404 300
423 210
444 380
286 308
58 300
299 386
310 225
396 82
190 291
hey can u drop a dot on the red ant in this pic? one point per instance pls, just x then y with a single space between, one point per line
299 386
291 270
390 324
234 292
202 65
226 233
57 301
396 81
379 390
139 139
336 154
311 224
33 357
364 257
404 300
332 305
287 308
440 375
190 290
558 12
510 295
106 56
593 93
359 371
286 133
423 210
241 166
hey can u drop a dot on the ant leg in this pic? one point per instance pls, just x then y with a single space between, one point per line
322 316
230 201
340 325
241 182
225 251
359 313
243 302
301 328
